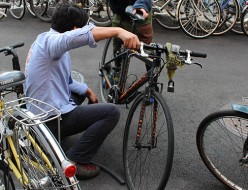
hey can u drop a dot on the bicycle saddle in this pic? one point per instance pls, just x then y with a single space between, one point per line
136 16
11 79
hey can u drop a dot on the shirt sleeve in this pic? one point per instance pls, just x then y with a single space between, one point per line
63 42
77 87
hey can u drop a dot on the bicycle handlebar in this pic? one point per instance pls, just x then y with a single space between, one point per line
174 49
8 48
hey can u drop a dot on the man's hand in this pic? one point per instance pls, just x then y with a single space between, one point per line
129 39
91 96
144 13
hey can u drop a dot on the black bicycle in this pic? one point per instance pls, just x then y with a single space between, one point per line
223 145
148 143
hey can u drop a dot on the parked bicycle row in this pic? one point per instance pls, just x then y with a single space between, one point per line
43 9
197 18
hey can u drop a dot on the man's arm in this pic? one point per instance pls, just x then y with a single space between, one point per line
129 39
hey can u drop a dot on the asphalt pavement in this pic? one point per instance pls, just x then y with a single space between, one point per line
198 92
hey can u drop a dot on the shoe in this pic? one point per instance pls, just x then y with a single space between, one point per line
87 171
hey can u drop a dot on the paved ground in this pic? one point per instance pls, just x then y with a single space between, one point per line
198 92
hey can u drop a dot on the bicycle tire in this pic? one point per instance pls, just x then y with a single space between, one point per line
154 173
37 169
198 19
43 9
99 13
229 15
220 141
30 10
164 13
17 9
4 173
244 21
237 29
106 56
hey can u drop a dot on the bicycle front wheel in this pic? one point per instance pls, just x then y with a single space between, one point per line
220 141
43 9
106 57
148 150
41 158
17 9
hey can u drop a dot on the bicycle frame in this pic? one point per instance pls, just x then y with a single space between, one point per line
123 96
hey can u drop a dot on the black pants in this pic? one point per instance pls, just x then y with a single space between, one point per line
96 120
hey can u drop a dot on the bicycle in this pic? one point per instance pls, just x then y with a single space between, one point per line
223 144
27 147
148 143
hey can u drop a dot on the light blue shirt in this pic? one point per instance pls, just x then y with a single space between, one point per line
48 67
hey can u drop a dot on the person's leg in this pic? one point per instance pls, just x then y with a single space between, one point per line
145 33
97 121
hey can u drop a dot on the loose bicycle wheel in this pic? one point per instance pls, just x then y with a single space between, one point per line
164 12
221 137
244 21
106 56
99 12
17 9
6 181
198 18
148 150
40 156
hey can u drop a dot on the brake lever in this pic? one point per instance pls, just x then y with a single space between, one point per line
200 65
188 58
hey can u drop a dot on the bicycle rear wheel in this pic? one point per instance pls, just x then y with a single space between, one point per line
220 141
17 9
148 161
41 157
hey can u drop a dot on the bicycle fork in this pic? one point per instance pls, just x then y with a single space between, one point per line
147 100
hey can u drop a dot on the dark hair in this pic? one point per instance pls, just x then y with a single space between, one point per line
67 15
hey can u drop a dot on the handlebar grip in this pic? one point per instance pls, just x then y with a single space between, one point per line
198 54
11 47
193 53
17 45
